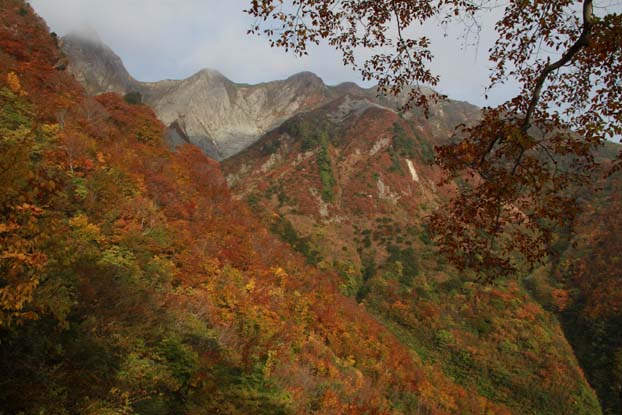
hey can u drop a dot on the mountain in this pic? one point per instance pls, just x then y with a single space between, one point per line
212 112
216 114
133 283
351 193
347 181
297 276
583 284
95 65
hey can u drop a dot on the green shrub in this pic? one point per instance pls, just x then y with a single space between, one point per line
326 170
443 339
483 325
181 360
133 98
253 201
310 132
403 144
407 258
270 147
285 230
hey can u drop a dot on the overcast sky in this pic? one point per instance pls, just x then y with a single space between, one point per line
159 39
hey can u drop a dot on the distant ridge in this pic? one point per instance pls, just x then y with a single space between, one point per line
218 115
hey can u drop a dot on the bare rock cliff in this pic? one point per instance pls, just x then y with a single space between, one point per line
216 114
95 65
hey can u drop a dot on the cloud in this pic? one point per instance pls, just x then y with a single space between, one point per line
160 39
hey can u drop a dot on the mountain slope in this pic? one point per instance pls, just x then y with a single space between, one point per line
133 283
346 181
583 286
352 195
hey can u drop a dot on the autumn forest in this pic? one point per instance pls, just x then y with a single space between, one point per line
360 254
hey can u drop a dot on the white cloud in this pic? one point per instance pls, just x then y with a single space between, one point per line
160 39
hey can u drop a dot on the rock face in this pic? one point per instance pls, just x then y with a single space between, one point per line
95 65
223 117
216 112
211 111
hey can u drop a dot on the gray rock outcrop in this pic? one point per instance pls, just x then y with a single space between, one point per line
207 109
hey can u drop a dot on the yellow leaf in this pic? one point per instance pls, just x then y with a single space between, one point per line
13 81
250 286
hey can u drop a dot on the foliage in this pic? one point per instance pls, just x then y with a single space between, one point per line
326 170
585 289
494 341
134 283
567 105
315 134
133 98
403 144
288 234
270 147
312 132
407 259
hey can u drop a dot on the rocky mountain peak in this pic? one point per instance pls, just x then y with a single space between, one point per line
211 111
308 79
350 88
210 74
95 65
221 116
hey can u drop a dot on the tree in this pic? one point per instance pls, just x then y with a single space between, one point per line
133 98
523 158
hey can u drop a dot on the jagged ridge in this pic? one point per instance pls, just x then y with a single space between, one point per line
218 115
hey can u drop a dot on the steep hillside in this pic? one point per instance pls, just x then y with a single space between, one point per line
132 283
590 273
584 287
216 114
351 194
